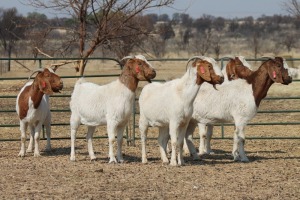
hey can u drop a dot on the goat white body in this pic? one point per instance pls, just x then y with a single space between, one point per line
168 106
232 102
95 105
223 104
35 118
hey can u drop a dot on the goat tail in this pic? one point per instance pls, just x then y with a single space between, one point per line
80 81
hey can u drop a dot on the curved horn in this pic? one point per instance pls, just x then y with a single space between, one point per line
126 57
271 57
192 58
35 71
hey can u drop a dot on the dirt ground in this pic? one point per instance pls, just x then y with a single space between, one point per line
272 173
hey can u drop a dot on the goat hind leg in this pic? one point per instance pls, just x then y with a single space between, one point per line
163 139
89 137
241 143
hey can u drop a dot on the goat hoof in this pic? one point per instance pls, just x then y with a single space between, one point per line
245 160
93 158
112 161
174 163
236 158
21 154
37 155
144 160
48 149
29 151
72 159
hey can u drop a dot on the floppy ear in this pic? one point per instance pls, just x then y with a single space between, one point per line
45 86
203 71
274 75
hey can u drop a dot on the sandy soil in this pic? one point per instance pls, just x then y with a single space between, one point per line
272 173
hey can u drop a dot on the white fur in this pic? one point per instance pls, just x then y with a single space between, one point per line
169 106
95 105
233 101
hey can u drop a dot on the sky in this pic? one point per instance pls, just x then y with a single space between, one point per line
195 8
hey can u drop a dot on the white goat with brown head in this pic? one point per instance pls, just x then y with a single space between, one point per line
169 105
236 101
33 108
110 104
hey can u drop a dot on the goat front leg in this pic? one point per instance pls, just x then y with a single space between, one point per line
202 135
209 134
74 124
241 143
23 128
31 136
89 137
111 130
173 135
143 126
188 139
163 138
120 132
180 141
37 140
48 132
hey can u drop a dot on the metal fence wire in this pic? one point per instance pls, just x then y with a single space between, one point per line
7 110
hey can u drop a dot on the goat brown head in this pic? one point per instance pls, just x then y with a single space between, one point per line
47 81
278 70
236 69
206 71
140 68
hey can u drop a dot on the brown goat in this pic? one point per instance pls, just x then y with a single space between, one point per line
32 107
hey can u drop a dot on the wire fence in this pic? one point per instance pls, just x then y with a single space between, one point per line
9 119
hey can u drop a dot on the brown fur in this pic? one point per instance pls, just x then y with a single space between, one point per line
209 76
44 83
262 79
235 69
136 70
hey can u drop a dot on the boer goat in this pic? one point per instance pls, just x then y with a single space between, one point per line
169 105
236 101
32 107
110 104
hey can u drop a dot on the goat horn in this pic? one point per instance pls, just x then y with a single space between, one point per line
192 58
127 57
35 71
271 57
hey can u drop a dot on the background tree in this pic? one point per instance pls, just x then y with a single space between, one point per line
12 29
101 22
293 7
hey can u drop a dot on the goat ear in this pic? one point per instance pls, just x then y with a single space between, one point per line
45 86
203 72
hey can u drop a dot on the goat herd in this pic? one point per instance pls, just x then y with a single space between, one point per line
204 95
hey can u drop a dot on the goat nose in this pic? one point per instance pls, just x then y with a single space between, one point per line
222 79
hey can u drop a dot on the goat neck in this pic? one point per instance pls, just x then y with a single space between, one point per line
189 85
261 83
128 78
33 93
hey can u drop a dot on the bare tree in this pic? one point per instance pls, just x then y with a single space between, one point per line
100 22
255 42
12 29
293 7
202 42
